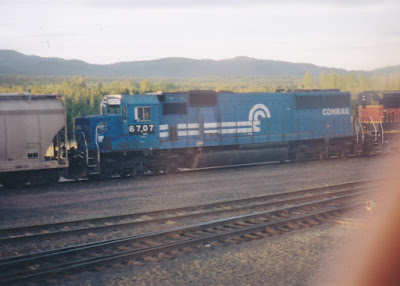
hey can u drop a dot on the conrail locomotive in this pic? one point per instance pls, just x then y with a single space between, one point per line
165 131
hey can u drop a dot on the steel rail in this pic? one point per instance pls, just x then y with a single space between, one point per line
23 274
74 227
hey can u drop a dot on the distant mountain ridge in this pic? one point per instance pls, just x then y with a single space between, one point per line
15 63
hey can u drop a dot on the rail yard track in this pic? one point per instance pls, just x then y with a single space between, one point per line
42 231
265 216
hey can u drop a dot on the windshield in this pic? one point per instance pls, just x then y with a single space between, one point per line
113 109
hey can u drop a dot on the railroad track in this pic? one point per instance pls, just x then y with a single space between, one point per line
115 223
168 243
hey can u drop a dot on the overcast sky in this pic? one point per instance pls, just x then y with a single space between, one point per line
350 34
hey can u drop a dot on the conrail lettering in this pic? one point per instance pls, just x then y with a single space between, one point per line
335 111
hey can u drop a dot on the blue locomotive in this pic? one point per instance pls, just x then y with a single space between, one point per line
161 132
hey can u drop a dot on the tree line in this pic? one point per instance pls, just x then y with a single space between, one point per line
83 95
351 82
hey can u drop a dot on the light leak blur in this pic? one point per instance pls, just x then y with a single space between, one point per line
373 255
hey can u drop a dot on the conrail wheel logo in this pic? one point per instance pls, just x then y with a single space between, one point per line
257 112
335 111
102 127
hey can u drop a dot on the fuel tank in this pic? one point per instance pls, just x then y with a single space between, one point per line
236 157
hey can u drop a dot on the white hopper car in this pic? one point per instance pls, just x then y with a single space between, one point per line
32 139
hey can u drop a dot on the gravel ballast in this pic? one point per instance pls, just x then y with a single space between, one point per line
72 201
293 258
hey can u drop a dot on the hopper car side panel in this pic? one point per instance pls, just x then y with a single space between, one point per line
34 138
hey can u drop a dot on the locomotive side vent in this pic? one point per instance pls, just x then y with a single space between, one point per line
174 108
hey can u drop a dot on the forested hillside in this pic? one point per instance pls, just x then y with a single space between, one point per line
14 63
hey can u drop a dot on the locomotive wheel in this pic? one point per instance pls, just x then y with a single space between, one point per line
344 154
299 156
300 153
165 170
173 167
323 155
144 170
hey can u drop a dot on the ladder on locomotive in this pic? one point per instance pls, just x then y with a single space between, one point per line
377 133
92 158
93 163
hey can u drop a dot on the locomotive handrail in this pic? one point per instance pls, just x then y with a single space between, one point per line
356 129
376 132
97 144
382 128
362 131
86 148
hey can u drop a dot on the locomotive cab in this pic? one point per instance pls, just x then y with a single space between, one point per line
142 121
125 127
112 105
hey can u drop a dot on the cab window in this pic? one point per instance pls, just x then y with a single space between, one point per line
113 109
142 114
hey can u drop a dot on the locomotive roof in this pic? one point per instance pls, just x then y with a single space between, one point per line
204 91
157 97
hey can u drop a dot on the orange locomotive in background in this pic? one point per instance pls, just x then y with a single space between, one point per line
379 115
